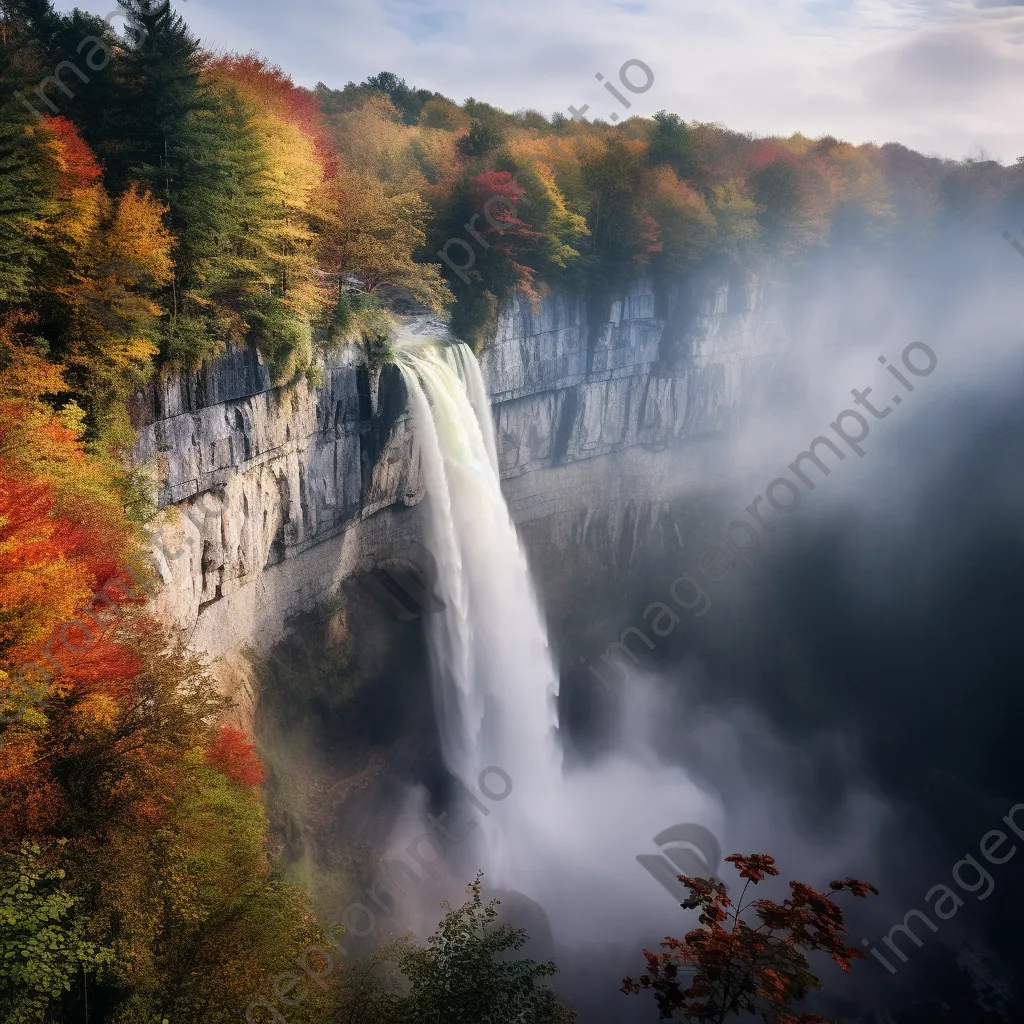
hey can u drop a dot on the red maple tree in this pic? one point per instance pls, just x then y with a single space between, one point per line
741 968
497 196
234 754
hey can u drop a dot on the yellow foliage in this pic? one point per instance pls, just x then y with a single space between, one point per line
79 205
96 714
858 182
687 225
404 158
292 178
137 235
444 114
735 213
371 234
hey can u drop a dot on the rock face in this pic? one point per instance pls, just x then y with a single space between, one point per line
260 478
280 496
661 369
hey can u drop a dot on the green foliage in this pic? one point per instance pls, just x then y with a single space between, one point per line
26 181
226 922
620 238
530 118
343 317
191 142
42 937
188 340
468 973
483 137
556 233
55 37
475 316
671 144
776 189
283 337
315 376
409 101
340 101
465 974
379 351
167 863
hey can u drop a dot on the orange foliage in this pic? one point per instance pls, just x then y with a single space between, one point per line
41 579
75 161
268 87
63 541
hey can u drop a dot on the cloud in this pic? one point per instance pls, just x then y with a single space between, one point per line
936 75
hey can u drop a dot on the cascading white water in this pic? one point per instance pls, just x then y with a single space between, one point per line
495 683
569 841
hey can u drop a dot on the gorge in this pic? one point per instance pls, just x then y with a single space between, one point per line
618 445
349 585
265 485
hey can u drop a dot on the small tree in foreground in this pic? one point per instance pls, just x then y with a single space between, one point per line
468 973
740 968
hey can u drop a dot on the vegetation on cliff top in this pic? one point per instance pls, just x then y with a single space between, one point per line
178 201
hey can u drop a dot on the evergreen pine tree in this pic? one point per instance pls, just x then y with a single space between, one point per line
190 142
27 173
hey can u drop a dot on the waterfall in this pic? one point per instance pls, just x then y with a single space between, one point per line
563 839
494 679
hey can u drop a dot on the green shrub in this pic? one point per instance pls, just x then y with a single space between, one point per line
467 973
355 316
42 943
283 336
188 341
475 317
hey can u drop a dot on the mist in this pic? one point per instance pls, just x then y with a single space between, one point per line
836 703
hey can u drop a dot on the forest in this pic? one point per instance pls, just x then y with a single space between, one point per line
159 204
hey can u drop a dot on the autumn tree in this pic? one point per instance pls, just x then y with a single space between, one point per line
487 271
777 194
687 227
376 237
283 300
409 101
444 114
863 208
729 966
191 145
133 862
624 235
96 297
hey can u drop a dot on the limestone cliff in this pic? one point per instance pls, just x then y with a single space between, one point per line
282 495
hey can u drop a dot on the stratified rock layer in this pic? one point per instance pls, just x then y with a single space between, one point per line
281 495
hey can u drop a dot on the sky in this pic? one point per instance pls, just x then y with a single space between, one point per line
941 76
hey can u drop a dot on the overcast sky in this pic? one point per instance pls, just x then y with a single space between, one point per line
942 76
